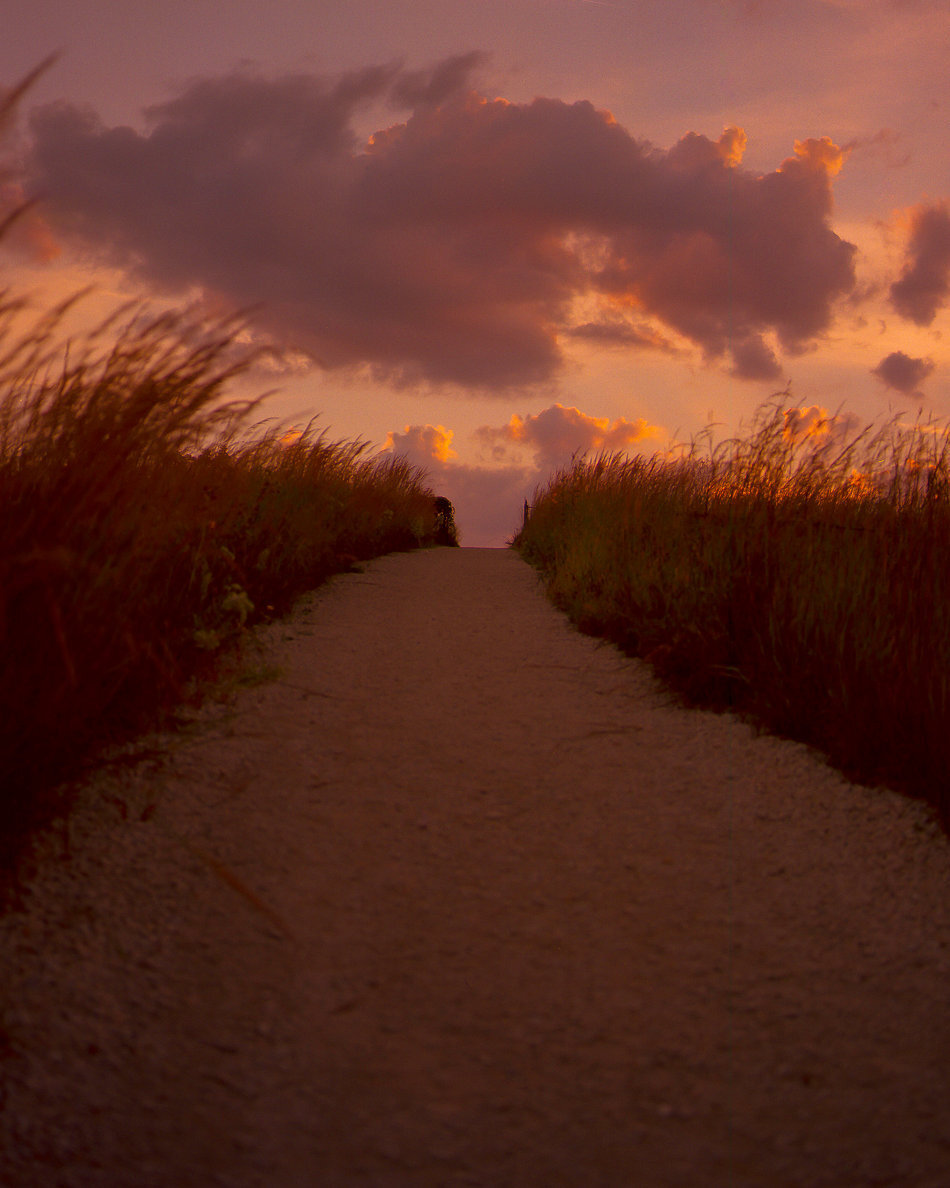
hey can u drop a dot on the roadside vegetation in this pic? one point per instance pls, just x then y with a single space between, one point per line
145 526
146 523
795 577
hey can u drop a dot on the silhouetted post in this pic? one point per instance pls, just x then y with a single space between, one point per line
526 510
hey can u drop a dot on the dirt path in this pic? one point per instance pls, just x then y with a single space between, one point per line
460 900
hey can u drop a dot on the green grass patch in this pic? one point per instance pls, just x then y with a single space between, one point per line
798 579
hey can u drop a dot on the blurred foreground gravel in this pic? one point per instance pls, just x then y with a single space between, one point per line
461 899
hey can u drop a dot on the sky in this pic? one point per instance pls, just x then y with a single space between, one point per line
496 235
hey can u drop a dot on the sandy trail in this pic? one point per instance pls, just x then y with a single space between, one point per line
460 900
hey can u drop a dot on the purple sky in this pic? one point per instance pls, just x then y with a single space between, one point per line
493 234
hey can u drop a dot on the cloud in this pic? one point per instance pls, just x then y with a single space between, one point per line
418 88
754 359
557 434
903 373
886 146
422 444
616 332
925 281
450 248
489 499
804 422
820 427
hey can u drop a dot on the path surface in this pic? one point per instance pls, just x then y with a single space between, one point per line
460 900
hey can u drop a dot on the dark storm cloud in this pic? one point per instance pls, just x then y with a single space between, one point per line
452 246
925 281
903 373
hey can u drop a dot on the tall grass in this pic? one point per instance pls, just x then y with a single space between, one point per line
795 578
144 526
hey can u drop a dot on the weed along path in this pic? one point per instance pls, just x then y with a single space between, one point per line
460 899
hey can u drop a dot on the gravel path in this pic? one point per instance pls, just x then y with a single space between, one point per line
461 900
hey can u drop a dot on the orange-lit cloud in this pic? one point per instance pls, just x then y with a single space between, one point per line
559 433
732 145
924 284
453 246
488 498
422 444
821 155
819 425
805 422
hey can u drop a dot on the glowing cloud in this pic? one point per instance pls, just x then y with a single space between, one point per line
422 444
822 155
488 498
805 422
559 433
818 425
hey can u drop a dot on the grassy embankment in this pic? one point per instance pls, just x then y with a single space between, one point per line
801 583
144 528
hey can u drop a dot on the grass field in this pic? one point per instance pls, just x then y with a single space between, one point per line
146 523
797 575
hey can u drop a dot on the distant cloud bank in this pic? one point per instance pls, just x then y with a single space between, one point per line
557 434
455 246
487 497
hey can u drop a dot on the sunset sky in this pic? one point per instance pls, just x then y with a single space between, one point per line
491 234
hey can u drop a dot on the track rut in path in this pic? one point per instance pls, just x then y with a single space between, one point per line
461 899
